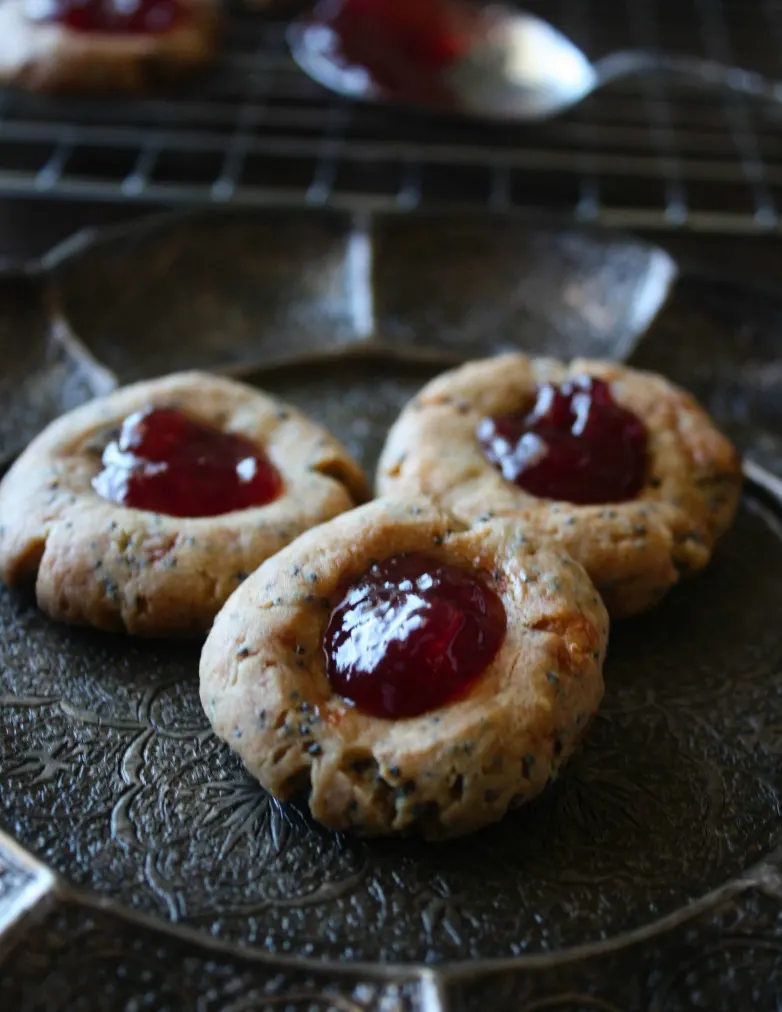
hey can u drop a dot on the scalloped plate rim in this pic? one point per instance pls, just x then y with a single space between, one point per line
759 480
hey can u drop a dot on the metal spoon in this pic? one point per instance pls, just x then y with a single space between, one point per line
516 67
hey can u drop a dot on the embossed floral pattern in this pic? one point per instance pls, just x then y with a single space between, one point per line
108 738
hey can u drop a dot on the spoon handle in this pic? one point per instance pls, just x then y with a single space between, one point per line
632 62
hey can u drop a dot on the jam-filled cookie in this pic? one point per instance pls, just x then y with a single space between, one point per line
620 468
143 510
411 672
104 45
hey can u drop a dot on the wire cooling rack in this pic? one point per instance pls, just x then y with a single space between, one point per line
254 132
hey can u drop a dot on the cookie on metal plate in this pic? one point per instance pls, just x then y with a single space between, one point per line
620 468
412 673
144 509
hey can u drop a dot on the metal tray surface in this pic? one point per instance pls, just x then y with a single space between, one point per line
149 871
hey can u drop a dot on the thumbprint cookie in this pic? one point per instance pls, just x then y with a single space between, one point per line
620 468
411 673
144 509
103 45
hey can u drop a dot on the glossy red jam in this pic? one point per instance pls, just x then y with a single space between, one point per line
114 17
411 635
166 462
576 444
402 44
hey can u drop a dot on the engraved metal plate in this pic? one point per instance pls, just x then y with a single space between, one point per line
648 878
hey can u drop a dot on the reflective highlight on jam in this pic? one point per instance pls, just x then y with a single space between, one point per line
114 17
166 462
576 444
412 634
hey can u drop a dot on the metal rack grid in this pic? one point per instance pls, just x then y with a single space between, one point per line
646 154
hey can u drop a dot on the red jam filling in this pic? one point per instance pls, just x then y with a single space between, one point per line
166 462
115 17
576 444
411 635
402 44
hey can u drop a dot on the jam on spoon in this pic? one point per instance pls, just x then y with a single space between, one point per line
412 634
576 444
114 17
403 46
166 462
